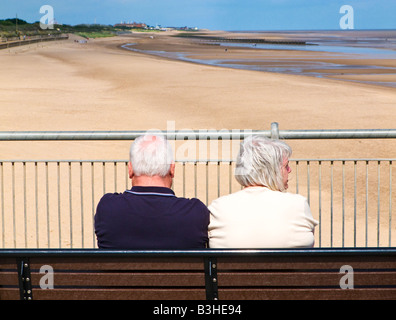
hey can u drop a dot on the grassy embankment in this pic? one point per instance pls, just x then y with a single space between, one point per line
14 29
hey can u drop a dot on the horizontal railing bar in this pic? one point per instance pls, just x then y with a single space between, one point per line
206 252
192 160
344 159
62 160
338 134
126 135
234 134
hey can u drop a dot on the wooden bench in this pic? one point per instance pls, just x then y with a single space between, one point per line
90 274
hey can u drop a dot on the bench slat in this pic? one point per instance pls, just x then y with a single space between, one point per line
158 279
7 263
8 278
120 294
307 294
305 263
9 293
117 263
303 279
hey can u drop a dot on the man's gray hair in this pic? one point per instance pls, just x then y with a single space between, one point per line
260 161
151 155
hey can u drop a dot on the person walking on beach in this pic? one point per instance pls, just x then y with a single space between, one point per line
150 216
262 214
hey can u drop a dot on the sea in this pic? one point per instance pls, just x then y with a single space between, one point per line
368 56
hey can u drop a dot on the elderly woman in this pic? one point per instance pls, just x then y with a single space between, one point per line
262 214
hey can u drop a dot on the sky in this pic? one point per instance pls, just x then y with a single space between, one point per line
213 14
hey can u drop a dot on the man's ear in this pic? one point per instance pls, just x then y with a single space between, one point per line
172 170
130 170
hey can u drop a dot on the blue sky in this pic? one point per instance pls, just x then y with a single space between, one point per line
212 14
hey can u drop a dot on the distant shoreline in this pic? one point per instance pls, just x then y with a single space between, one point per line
342 56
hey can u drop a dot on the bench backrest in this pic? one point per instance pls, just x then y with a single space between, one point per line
197 275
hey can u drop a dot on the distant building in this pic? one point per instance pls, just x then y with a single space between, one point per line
131 25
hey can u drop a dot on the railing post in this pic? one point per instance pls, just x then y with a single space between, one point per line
274 130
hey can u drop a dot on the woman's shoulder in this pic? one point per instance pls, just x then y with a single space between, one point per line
259 193
294 196
227 199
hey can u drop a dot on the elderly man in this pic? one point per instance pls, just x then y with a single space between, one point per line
150 216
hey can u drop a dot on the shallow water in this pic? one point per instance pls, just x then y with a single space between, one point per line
318 47
362 48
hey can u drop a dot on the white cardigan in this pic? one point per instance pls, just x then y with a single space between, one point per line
257 217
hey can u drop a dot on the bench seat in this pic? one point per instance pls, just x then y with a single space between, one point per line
93 274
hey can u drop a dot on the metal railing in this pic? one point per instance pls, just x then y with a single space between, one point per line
51 203
235 134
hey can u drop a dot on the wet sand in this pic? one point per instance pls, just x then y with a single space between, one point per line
100 86
354 56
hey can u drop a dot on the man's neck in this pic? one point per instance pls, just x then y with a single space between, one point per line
154 181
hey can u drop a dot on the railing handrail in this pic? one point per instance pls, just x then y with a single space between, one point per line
203 134
123 135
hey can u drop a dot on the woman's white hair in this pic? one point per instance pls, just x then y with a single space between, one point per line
151 155
260 161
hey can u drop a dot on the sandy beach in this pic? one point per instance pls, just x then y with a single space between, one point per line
67 86
99 86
